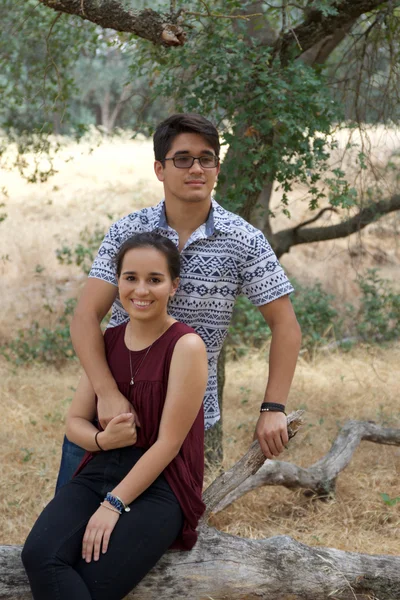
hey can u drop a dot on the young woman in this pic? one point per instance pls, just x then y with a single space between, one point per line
138 490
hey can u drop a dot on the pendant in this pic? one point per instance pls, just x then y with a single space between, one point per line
132 382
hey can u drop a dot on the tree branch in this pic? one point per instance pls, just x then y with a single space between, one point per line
247 465
320 52
161 29
320 478
283 240
316 27
316 217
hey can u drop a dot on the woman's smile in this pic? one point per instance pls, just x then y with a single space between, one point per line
141 304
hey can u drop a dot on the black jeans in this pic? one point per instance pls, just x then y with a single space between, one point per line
52 554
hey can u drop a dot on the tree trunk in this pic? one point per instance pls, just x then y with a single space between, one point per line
213 446
124 97
105 111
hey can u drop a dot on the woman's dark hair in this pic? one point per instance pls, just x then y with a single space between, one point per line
151 240
167 131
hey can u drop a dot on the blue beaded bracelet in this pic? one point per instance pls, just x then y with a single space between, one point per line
117 503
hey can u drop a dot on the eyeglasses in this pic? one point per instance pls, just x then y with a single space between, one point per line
186 162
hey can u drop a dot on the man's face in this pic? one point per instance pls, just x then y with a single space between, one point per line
193 184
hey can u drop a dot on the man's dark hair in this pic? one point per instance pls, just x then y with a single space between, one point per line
150 239
167 131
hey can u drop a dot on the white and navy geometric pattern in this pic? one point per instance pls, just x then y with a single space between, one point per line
223 258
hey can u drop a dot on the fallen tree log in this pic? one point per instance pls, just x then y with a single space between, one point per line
226 567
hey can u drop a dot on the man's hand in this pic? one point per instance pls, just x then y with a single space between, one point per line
119 433
271 432
112 405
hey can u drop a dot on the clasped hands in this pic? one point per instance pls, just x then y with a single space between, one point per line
119 421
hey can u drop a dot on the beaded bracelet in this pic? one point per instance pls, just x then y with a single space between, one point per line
116 503
272 407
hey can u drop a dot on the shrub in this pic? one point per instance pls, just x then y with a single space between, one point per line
378 318
318 319
43 344
84 253
247 328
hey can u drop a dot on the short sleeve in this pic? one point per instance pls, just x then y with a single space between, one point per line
103 266
262 277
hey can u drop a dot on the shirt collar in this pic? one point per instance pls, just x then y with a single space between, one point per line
218 218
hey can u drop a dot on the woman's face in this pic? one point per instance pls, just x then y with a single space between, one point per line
145 284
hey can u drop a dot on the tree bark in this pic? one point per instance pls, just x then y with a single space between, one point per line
159 28
226 567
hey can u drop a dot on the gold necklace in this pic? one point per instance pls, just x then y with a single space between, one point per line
133 375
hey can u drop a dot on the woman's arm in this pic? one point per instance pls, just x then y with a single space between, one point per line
186 388
120 431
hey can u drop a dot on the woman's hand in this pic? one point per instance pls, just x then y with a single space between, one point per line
98 532
119 433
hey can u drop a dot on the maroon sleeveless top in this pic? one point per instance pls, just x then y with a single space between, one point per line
185 473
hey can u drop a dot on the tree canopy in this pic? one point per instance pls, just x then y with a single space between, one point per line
277 78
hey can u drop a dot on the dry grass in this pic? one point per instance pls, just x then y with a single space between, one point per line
333 388
117 178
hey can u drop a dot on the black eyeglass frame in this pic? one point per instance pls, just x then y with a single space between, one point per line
214 156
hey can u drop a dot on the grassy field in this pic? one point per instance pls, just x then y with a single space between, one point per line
333 388
115 179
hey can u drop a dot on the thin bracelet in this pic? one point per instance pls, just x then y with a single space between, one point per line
110 508
98 445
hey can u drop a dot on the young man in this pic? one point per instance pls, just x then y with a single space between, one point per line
222 256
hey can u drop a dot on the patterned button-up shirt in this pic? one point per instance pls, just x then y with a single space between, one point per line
224 257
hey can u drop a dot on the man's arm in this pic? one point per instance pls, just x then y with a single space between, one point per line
271 428
94 303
